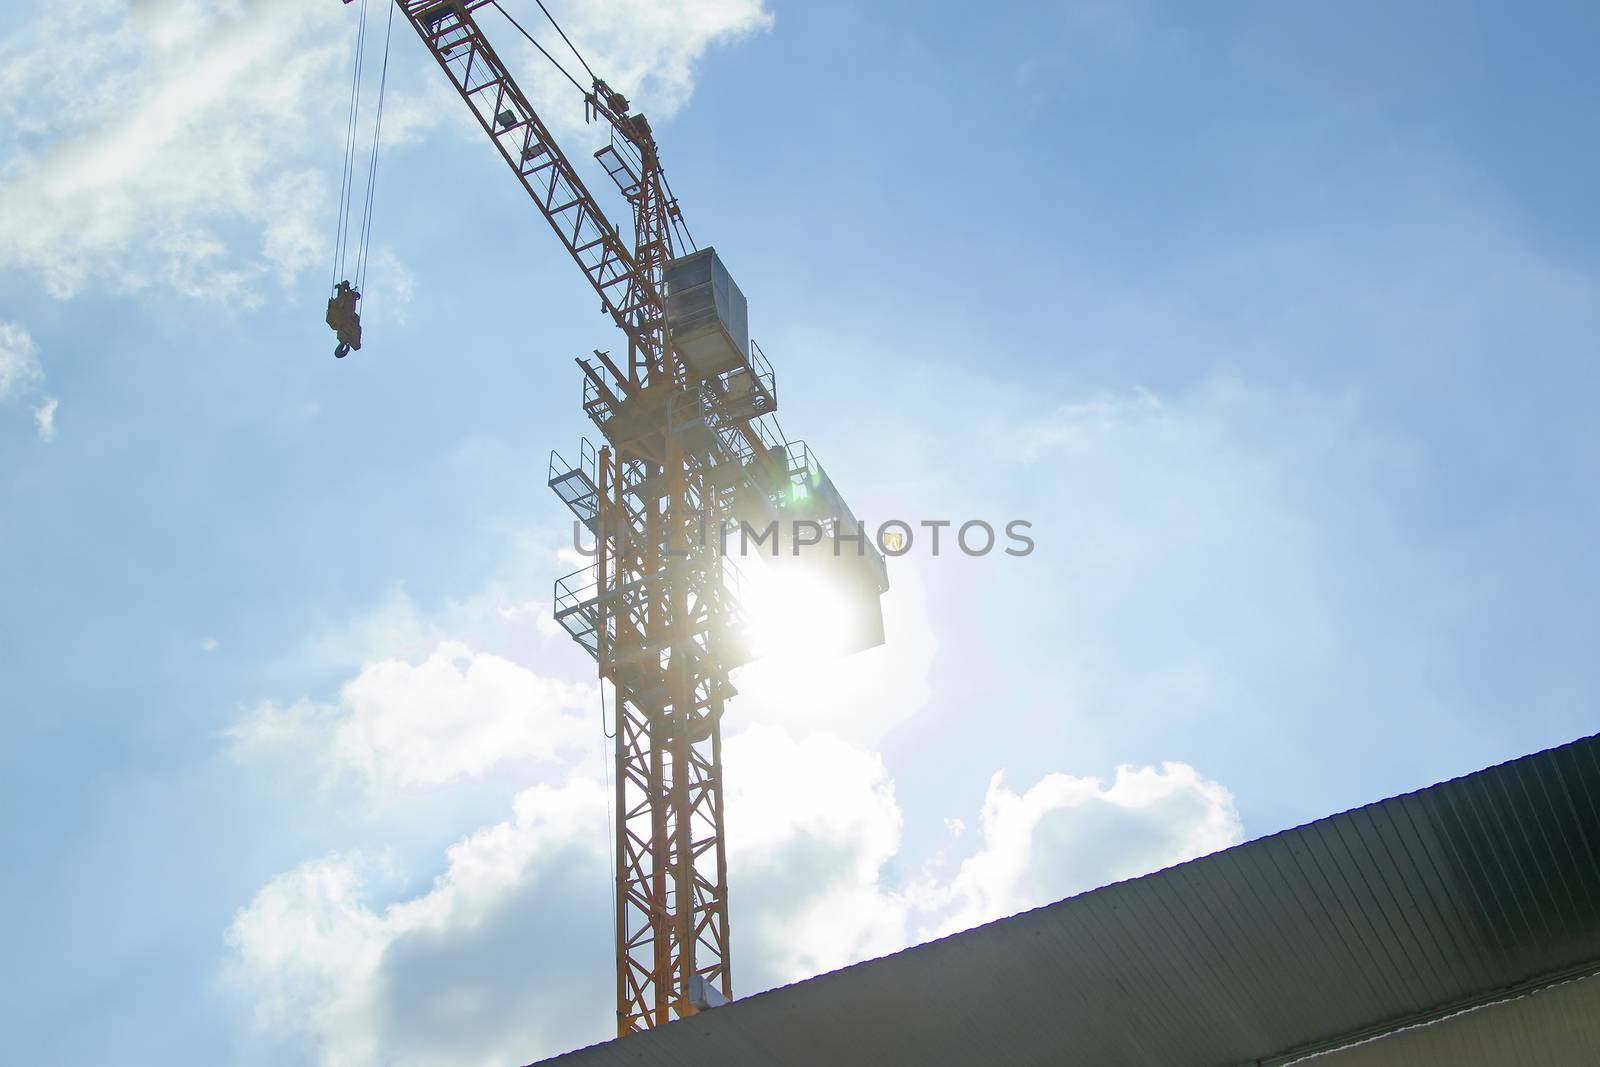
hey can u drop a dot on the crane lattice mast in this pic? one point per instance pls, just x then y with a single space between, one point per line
687 450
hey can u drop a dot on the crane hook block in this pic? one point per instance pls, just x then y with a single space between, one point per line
344 319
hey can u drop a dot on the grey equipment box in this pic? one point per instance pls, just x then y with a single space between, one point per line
707 315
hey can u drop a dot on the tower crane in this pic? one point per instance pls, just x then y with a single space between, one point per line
691 451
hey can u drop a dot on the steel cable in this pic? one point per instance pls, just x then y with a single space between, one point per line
533 41
347 170
567 39
372 167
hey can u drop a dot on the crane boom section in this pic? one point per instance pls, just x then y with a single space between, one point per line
452 34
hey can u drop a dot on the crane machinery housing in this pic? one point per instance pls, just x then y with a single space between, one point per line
690 446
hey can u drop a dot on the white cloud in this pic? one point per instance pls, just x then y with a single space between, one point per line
814 837
647 49
644 49
466 973
1066 835
307 949
21 375
19 361
44 418
191 146
506 957
456 714
194 159
811 825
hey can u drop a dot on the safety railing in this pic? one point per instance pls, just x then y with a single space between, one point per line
577 485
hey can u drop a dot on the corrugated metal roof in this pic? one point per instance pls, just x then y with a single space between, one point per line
1404 913
1559 1026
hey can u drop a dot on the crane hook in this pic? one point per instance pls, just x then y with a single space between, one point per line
344 319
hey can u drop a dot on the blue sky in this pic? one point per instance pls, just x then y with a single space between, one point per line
1277 321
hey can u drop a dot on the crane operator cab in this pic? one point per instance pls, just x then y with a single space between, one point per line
345 319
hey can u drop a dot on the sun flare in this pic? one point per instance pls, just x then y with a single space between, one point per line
795 614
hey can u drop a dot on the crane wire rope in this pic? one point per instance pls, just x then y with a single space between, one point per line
372 167
677 220
347 169
567 39
534 41
347 186
611 854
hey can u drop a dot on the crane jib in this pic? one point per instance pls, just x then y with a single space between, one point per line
454 38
